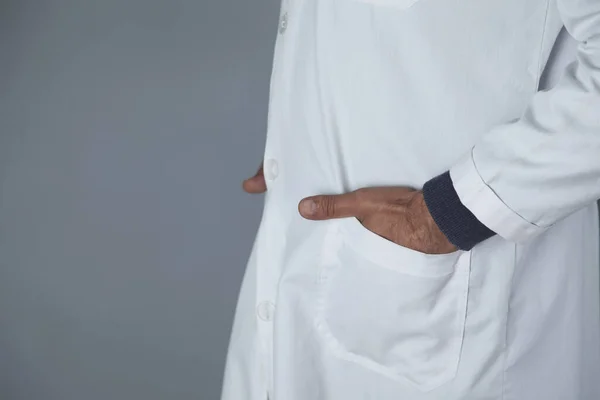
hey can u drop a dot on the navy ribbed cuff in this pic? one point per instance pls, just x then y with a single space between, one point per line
455 220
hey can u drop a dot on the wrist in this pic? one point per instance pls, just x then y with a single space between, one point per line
434 234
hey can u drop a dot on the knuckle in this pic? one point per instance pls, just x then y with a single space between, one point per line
329 206
361 195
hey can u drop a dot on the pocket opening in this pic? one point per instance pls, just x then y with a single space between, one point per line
394 256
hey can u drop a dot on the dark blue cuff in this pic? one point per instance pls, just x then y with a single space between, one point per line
455 220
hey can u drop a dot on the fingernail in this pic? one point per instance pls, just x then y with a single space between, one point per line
308 207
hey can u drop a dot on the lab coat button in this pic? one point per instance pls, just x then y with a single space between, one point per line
271 169
266 311
283 24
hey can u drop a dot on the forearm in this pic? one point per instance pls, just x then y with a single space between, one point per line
522 177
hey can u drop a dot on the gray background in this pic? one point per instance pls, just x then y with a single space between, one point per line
126 127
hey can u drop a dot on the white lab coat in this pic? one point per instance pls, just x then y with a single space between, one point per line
395 92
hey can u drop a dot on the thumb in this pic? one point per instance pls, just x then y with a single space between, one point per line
256 184
328 207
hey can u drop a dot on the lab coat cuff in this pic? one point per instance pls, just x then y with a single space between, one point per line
487 206
455 220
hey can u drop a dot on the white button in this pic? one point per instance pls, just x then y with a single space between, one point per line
271 169
266 311
283 24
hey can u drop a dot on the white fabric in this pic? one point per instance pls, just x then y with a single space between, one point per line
394 92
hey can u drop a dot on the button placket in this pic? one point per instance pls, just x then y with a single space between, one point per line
283 23
265 311
271 169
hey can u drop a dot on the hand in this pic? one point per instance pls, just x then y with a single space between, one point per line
256 184
397 214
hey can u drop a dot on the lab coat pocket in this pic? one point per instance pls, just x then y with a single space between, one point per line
393 310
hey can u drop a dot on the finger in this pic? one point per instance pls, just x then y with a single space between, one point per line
328 207
256 184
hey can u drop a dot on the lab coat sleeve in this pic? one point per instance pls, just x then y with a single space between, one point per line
523 177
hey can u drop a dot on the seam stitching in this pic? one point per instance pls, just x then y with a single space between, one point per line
505 361
509 208
542 43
